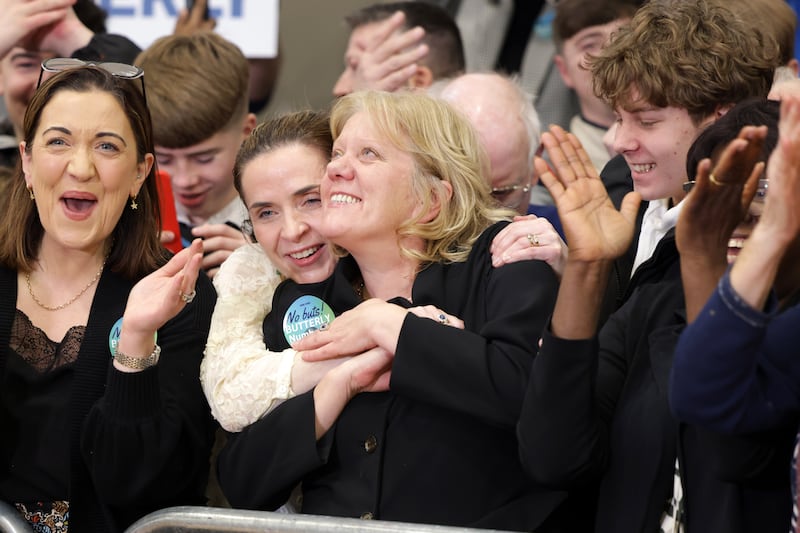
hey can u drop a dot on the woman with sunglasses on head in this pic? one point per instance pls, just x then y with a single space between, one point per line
405 195
101 333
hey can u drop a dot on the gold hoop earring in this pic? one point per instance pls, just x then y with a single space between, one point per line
134 205
30 191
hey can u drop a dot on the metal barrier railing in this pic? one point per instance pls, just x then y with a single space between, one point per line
189 519
11 521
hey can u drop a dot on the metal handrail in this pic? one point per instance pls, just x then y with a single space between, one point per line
11 521
189 519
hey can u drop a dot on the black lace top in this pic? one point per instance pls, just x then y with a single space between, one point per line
35 390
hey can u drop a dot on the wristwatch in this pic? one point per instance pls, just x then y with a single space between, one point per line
138 363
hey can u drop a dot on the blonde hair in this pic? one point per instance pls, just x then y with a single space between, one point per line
445 148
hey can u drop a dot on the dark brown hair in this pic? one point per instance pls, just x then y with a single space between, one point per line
135 249
308 128
573 16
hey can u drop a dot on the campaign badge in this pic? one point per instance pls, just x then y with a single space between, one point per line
306 314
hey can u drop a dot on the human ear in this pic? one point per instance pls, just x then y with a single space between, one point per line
142 171
441 194
421 79
249 124
561 65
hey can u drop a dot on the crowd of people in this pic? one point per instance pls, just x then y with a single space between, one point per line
370 314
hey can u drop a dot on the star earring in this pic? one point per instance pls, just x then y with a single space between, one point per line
134 205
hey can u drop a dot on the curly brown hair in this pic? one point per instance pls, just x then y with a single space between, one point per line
693 55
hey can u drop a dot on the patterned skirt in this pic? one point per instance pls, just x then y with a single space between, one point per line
46 517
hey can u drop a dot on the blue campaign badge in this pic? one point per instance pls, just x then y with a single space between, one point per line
113 337
306 314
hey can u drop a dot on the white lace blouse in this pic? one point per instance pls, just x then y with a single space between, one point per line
242 380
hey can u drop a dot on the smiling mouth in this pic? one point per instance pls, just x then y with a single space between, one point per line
344 199
305 253
79 205
642 169
736 242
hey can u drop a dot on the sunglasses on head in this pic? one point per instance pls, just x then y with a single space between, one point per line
118 70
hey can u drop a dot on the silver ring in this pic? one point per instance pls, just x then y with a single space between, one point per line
442 318
188 297
533 239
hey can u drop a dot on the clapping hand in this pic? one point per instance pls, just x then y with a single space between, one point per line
719 200
594 228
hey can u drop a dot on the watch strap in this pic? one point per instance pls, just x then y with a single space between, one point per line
138 363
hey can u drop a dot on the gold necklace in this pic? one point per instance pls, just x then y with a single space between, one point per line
65 304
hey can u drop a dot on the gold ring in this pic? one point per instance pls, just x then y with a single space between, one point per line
442 318
533 239
713 179
188 297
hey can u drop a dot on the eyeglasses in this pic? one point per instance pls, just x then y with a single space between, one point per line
502 194
118 70
761 192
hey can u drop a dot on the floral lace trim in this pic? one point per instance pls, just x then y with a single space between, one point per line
243 380
46 517
36 348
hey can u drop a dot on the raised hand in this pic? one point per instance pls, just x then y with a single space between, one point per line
782 207
773 244
720 197
718 201
390 56
194 21
158 297
594 228
23 21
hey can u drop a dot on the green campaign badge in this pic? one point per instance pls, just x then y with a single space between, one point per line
306 314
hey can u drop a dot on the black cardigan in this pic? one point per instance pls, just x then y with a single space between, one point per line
138 442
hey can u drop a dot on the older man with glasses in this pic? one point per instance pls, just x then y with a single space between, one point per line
504 116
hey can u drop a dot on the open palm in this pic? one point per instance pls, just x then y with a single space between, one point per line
595 230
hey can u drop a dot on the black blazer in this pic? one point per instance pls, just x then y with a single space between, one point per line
440 446
597 411
141 441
